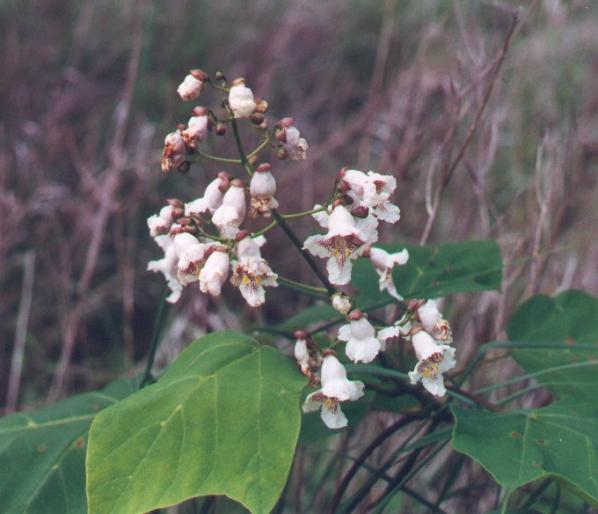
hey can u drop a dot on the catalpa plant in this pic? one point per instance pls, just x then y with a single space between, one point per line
205 243
357 402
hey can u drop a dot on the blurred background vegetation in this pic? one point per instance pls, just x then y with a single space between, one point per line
87 93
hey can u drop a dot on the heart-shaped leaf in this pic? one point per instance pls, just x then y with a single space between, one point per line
224 419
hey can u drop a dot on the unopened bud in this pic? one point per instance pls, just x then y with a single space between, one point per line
257 118
198 110
242 234
300 334
175 202
220 76
177 212
261 105
360 212
220 129
199 74
285 122
281 153
263 167
355 315
281 135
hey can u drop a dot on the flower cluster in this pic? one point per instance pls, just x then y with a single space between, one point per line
363 200
204 241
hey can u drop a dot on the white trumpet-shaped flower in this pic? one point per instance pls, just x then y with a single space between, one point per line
168 267
192 85
362 343
290 137
212 197
433 360
160 223
191 257
197 128
336 388
174 155
231 213
384 263
251 273
401 327
343 242
262 189
214 272
372 191
241 100
302 354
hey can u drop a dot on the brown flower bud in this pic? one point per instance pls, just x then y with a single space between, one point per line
198 110
360 212
281 153
355 315
257 118
300 334
261 105
263 167
220 129
242 234
199 74
285 122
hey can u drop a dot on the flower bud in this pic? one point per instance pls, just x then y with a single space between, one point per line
361 212
240 99
191 87
341 303
355 315
257 118
261 105
220 129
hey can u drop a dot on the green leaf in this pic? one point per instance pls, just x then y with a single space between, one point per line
433 271
561 440
224 419
42 453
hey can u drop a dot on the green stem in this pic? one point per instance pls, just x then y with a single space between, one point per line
217 158
262 231
301 214
259 148
303 288
155 342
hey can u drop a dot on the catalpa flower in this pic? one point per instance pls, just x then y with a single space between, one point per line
262 189
168 267
294 145
360 336
343 242
174 155
192 85
335 389
241 100
212 198
197 128
384 263
214 272
372 191
433 322
251 273
191 257
160 223
229 216
433 360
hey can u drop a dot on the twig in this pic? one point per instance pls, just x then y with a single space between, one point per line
18 352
